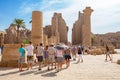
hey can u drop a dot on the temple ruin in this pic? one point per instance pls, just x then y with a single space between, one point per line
81 32
58 30
55 33
11 35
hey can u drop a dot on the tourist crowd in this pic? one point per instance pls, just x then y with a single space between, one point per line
52 56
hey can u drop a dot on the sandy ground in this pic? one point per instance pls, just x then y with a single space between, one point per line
93 68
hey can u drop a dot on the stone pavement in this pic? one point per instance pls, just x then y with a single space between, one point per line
93 68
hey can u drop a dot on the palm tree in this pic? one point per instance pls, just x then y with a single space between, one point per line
18 23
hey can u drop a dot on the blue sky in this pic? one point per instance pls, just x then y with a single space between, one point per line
105 18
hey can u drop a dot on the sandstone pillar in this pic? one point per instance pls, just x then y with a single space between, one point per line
37 29
87 27
57 38
45 39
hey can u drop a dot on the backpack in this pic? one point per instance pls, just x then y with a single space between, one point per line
79 50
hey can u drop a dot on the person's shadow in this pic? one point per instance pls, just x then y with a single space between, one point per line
50 74
40 72
76 62
27 72
9 73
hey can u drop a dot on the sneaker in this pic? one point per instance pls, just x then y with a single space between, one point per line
48 69
57 70
39 69
74 59
55 67
105 60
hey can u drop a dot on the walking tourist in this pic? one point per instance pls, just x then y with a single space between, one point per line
59 57
2 47
67 57
74 55
22 57
40 55
0 51
29 49
52 52
80 59
108 53
46 57
35 53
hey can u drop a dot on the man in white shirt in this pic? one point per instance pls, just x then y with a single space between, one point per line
52 52
29 49
40 50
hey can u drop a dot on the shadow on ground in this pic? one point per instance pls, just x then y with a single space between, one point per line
26 73
50 74
9 73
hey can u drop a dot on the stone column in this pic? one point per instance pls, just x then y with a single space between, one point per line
57 38
87 27
37 27
45 39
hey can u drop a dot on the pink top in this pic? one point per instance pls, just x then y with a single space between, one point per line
59 53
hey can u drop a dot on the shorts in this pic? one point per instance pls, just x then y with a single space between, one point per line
73 53
21 60
108 52
40 58
29 59
79 55
51 58
46 60
59 59
67 57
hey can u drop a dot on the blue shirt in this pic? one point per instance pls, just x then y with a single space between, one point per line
22 52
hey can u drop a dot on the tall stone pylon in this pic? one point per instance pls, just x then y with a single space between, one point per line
87 26
37 27
59 28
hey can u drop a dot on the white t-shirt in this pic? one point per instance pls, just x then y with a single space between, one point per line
40 51
51 50
30 49
59 53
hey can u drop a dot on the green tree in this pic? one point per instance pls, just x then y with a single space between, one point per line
19 23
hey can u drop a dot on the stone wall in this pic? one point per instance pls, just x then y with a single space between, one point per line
11 35
10 55
59 26
47 30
